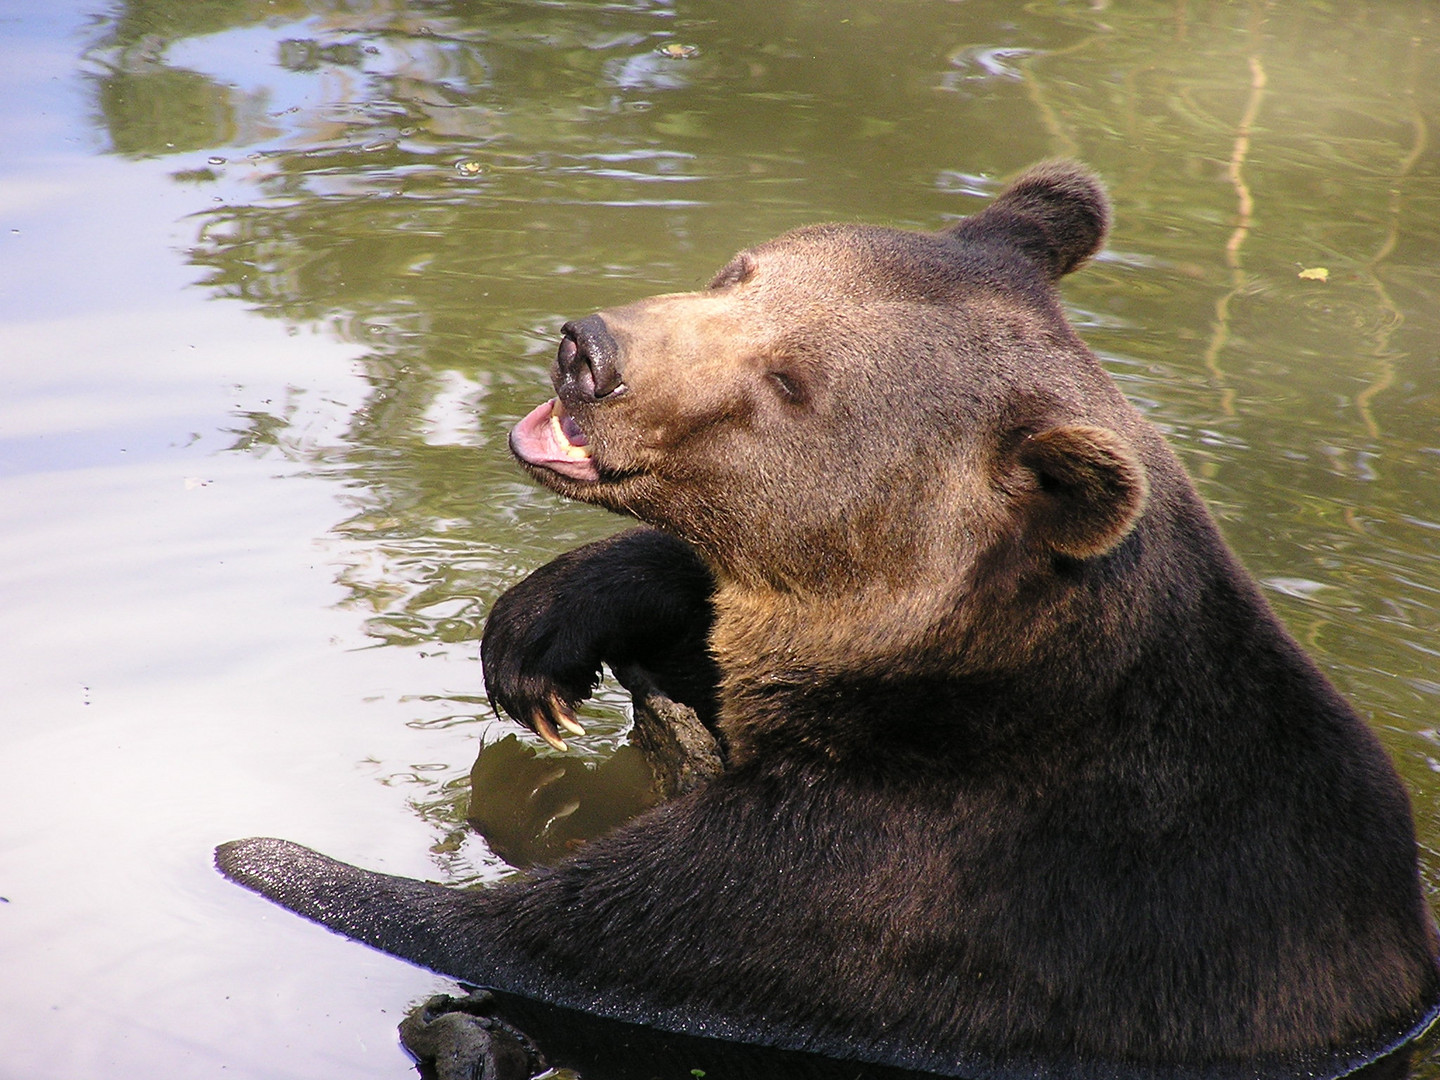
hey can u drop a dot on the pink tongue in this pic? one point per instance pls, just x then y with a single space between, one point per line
534 442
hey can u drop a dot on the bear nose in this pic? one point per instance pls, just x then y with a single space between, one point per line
588 357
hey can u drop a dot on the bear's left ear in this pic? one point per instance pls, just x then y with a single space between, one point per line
1090 489
1055 212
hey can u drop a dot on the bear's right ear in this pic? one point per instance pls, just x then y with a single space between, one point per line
1090 489
1056 212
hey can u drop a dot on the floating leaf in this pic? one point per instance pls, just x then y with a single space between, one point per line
1315 273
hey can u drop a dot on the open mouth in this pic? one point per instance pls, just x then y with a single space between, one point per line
550 438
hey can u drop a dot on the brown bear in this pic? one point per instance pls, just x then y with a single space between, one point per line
1021 772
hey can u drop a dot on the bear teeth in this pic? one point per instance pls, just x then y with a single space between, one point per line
568 436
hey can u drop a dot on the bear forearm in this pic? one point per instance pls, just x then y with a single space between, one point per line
640 597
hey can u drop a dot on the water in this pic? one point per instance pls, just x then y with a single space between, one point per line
278 277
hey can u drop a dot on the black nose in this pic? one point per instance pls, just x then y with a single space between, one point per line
588 357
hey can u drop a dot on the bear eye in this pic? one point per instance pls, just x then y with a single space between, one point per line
736 272
791 389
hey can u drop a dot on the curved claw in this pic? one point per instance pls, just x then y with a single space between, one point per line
546 730
555 713
561 712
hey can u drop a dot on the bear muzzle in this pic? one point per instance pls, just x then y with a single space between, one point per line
585 373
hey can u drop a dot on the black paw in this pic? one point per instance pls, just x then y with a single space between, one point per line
640 597
541 651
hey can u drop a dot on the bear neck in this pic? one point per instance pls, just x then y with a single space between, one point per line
1085 654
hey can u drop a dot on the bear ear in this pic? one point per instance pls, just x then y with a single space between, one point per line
1056 211
1090 489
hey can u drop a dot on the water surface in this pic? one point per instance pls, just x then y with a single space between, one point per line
279 276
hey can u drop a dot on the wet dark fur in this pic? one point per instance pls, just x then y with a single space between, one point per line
1022 768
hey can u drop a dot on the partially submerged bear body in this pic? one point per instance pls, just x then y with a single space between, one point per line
1022 772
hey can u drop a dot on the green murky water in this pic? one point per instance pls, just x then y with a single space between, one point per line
276 277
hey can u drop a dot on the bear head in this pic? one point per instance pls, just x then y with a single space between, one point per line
890 446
